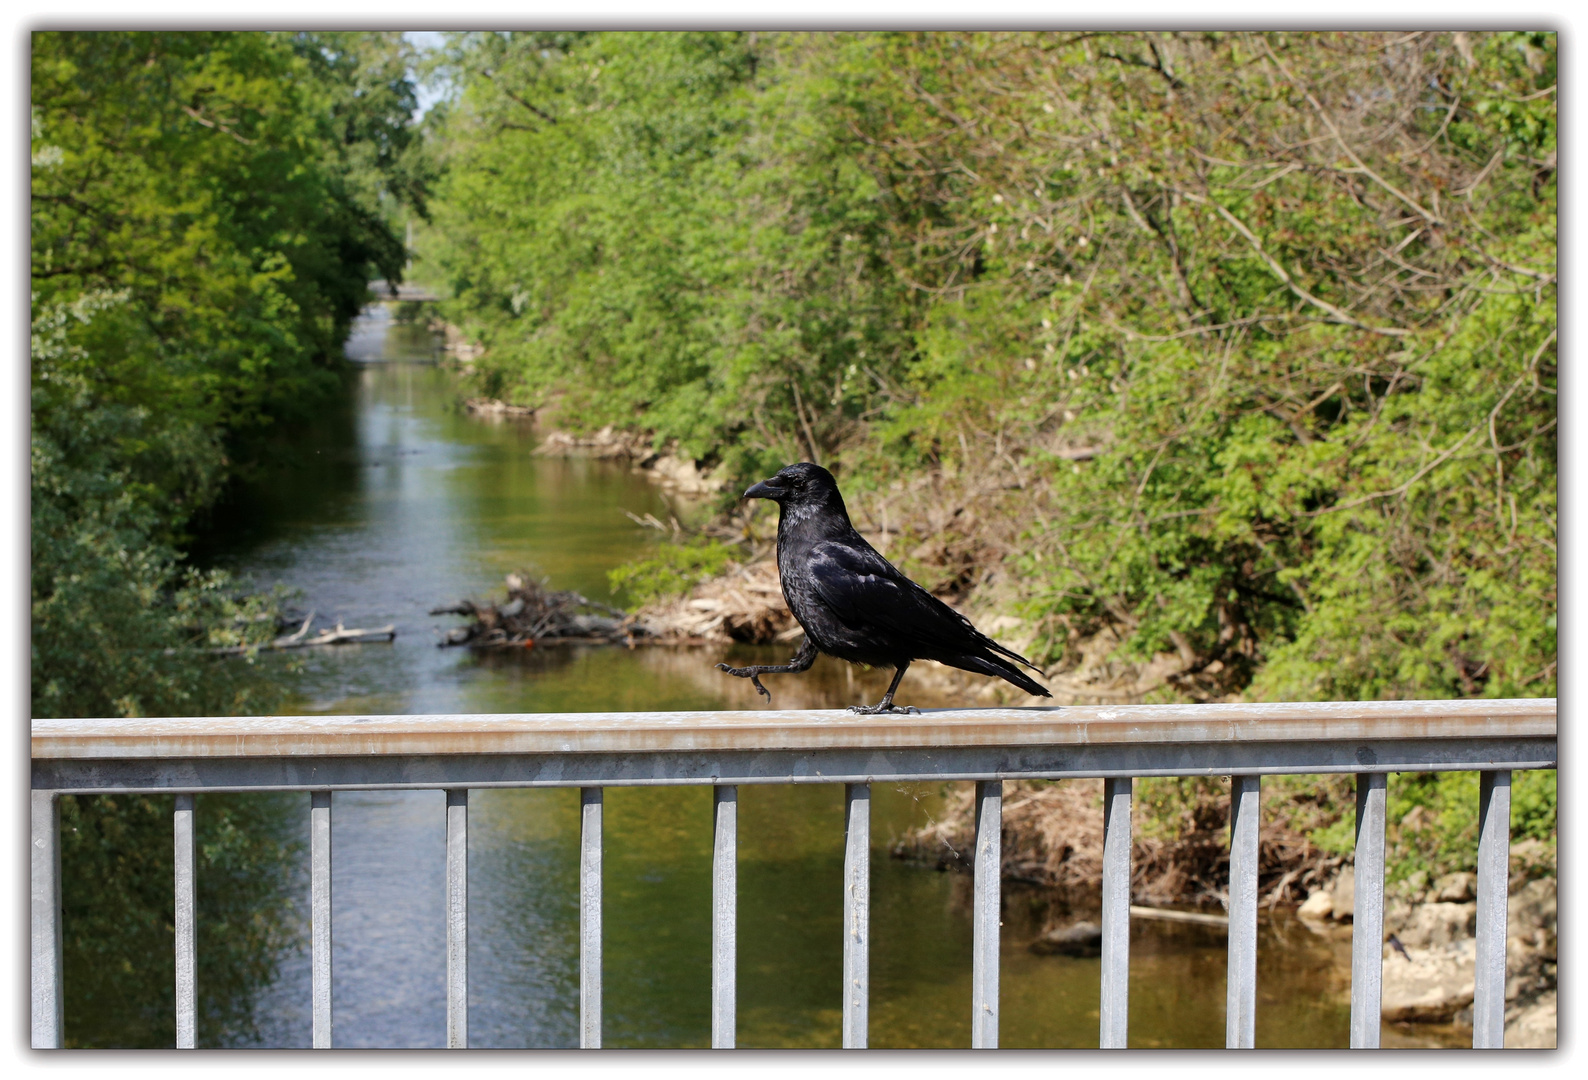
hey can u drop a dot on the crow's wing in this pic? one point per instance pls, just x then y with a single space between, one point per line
867 594
881 609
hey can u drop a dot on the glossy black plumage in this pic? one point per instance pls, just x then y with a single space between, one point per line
857 606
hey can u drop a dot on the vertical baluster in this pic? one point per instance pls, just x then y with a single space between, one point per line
590 800
320 914
857 915
457 918
985 914
724 910
1494 872
1367 922
1240 1016
1114 997
45 919
186 926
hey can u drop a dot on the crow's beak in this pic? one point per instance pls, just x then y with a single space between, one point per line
763 490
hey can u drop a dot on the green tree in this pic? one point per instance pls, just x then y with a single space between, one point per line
207 209
1238 346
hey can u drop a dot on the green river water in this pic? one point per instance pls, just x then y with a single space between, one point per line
401 502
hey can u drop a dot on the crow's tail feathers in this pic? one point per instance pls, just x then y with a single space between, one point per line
1008 652
998 667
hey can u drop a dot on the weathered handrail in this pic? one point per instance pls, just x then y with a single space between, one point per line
591 751
565 733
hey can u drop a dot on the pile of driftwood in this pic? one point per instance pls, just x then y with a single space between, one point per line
536 614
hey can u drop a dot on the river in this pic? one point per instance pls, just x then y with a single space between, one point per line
400 502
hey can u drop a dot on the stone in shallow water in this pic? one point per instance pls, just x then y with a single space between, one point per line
1078 939
1319 905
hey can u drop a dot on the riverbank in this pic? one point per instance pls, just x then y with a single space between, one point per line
1053 839
1430 950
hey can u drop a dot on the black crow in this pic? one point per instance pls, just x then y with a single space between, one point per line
854 604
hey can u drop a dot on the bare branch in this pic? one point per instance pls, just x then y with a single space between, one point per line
1328 121
1284 275
215 125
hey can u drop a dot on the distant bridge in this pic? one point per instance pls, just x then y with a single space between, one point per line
383 290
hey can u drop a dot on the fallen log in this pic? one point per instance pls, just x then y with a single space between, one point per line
1141 911
341 635
284 642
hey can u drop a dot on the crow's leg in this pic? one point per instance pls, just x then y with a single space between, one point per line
801 662
887 705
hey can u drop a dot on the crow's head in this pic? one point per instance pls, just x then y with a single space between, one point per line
800 484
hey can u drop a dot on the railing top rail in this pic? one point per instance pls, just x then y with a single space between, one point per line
756 730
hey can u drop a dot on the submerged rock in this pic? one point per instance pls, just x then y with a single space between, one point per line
1078 939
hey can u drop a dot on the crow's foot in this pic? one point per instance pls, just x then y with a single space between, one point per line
874 710
748 673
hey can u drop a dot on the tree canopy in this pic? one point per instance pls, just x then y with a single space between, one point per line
207 210
1241 345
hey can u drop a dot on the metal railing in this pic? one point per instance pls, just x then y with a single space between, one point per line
592 751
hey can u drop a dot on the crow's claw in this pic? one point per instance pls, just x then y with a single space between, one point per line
751 674
874 710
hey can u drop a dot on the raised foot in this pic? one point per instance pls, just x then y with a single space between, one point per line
751 674
873 710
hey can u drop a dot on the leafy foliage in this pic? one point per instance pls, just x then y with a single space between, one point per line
207 209
672 571
1239 344
120 627
1433 820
